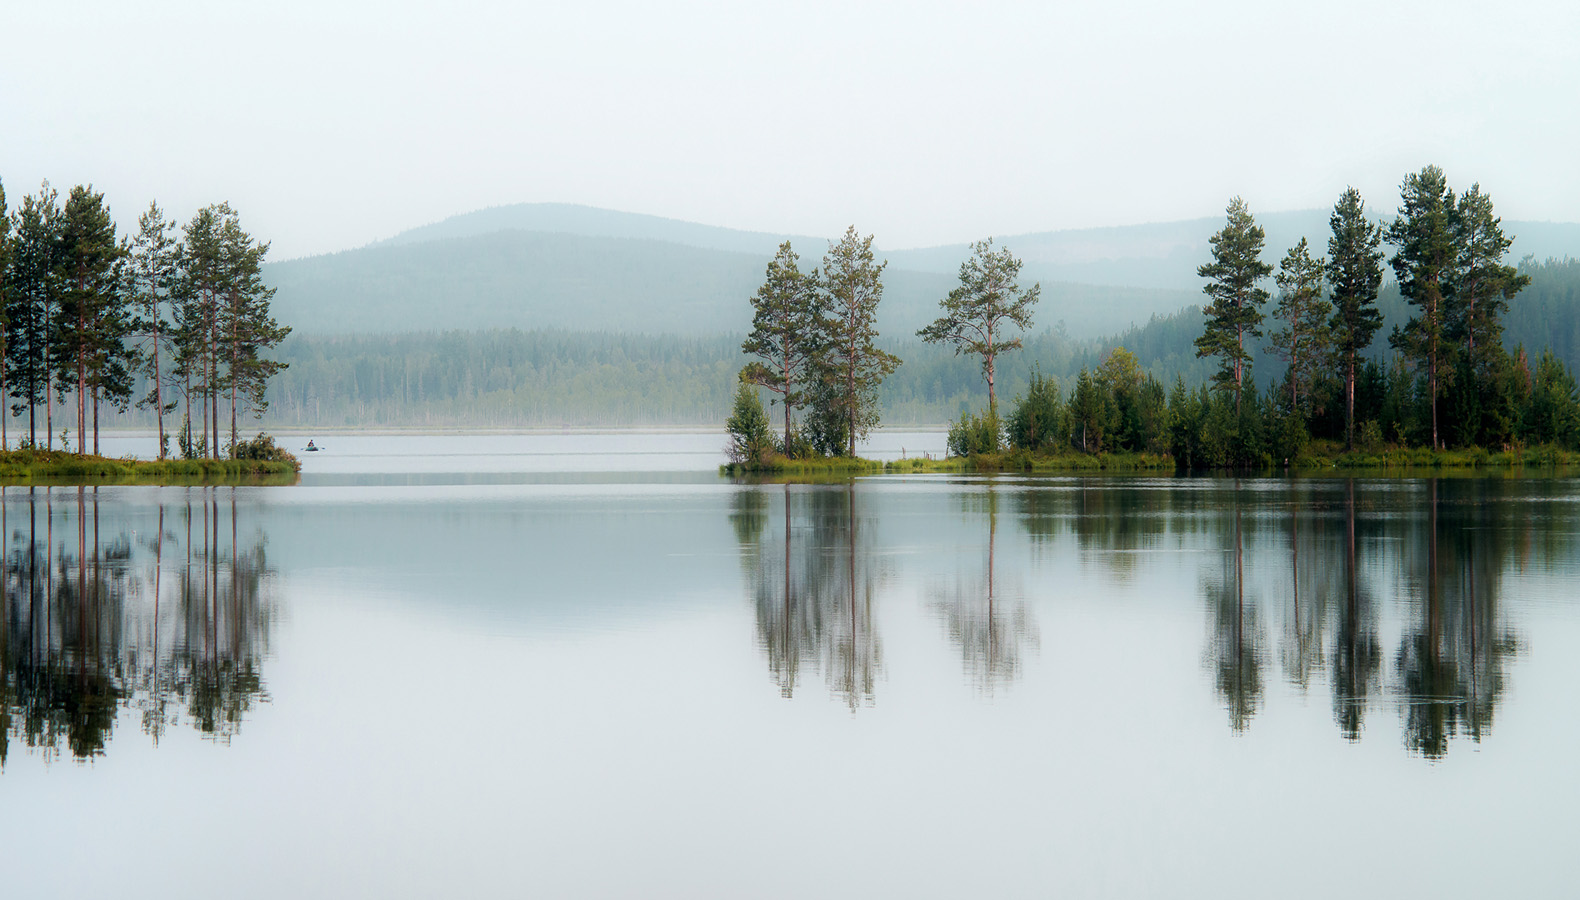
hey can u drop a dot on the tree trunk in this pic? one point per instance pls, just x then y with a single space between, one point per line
1349 403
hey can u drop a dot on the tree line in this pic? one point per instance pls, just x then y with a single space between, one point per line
1450 363
814 338
160 319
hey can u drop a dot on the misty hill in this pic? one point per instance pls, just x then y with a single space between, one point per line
533 279
1165 255
535 266
589 221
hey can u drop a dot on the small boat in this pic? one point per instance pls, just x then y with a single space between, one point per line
310 448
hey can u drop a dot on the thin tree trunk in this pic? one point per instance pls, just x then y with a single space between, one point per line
95 420
1349 404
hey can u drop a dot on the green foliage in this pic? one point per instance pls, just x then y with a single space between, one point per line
1302 339
1554 413
263 447
988 299
751 442
1355 271
975 434
1039 421
1423 262
1093 414
849 364
784 331
1233 284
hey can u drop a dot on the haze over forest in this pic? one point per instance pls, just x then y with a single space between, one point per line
1053 127
556 314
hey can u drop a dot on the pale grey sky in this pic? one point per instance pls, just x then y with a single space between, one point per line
329 125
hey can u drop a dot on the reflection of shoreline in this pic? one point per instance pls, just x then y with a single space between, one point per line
174 626
1302 582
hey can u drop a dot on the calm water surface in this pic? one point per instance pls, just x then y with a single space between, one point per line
572 666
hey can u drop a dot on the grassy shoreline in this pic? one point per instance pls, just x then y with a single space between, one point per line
55 466
1391 461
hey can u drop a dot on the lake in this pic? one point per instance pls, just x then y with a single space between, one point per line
580 665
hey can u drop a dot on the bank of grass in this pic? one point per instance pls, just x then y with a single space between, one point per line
55 466
1003 461
1406 459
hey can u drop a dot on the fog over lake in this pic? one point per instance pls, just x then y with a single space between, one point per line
460 666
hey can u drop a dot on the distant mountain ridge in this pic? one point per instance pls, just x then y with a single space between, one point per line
576 267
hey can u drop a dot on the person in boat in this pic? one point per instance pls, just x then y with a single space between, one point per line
310 446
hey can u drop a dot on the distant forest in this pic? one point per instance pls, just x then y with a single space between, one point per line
514 378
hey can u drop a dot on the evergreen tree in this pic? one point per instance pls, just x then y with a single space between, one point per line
784 332
1481 284
155 256
1303 337
86 335
1235 312
976 313
849 364
5 308
1424 262
199 289
246 325
1355 271
30 302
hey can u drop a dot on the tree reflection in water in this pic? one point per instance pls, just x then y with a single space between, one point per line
174 626
1331 569
1236 653
992 633
814 592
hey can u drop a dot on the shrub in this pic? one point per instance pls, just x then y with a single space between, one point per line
750 439
263 448
975 434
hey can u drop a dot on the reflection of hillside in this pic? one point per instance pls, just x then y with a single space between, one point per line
813 588
173 625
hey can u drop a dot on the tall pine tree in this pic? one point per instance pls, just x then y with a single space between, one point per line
1303 337
988 300
1423 261
784 332
1234 283
1355 271
850 365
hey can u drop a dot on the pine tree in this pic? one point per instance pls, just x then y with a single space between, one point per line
784 333
850 365
246 325
1481 284
1424 264
5 309
1355 271
87 334
1303 338
976 313
155 255
1235 313
30 302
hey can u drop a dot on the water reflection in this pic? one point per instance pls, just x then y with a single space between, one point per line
813 588
993 633
1236 648
170 623
1385 595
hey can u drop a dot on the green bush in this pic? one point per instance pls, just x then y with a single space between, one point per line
975 434
750 438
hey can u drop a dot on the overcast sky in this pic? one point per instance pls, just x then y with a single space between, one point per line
331 125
